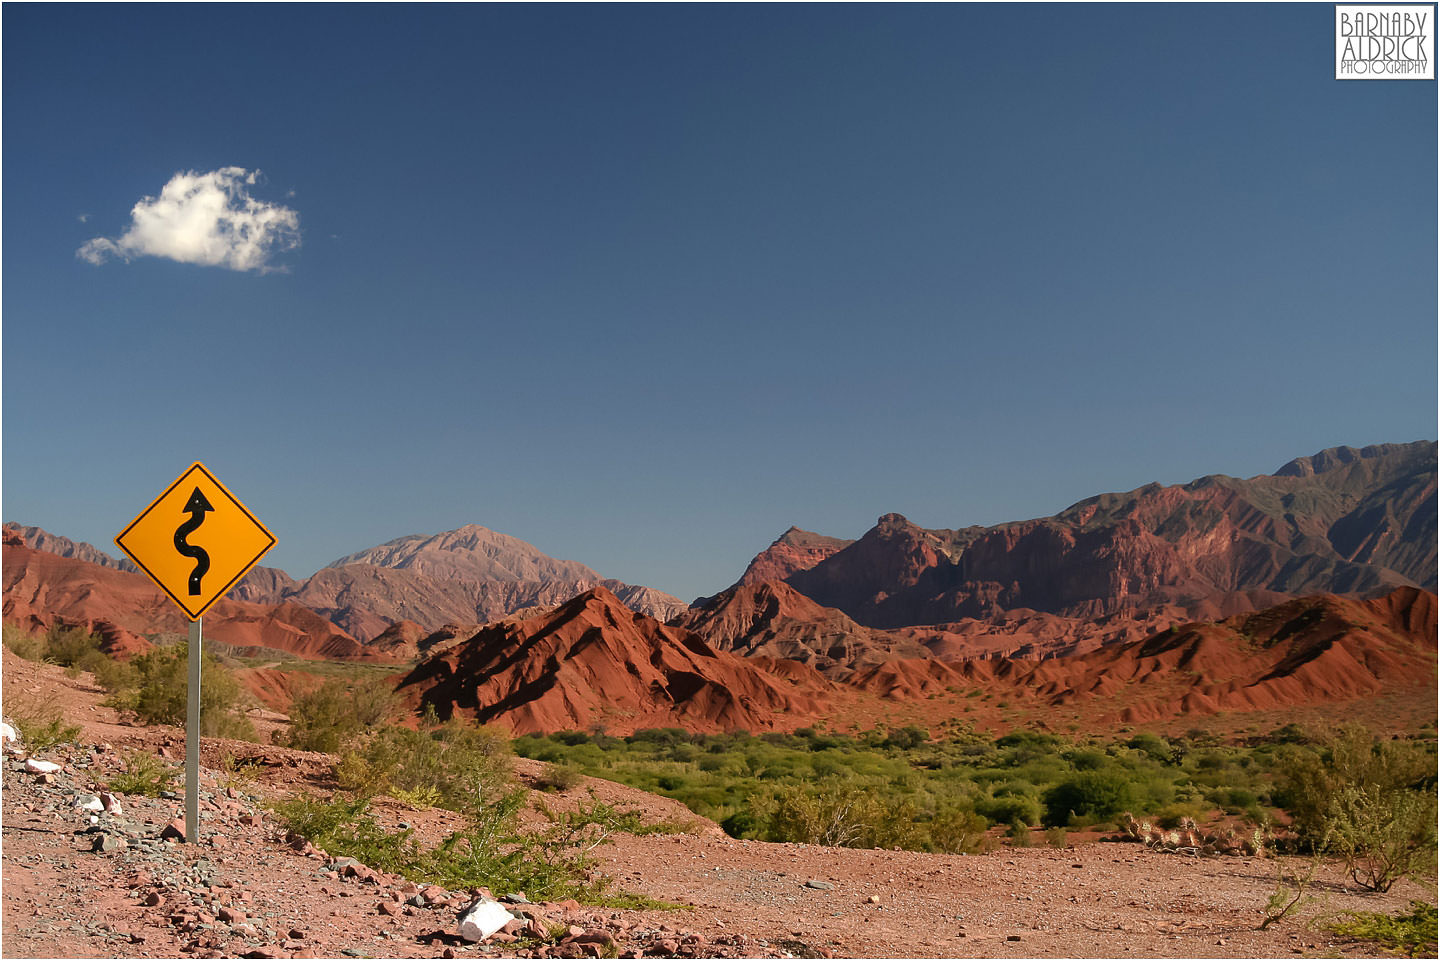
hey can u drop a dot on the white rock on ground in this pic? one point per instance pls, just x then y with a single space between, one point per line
482 919
41 767
7 733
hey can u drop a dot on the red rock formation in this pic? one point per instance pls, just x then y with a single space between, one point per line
593 660
400 640
41 589
277 689
773 619
42 540
1361 522
795 550
468 575
1302 652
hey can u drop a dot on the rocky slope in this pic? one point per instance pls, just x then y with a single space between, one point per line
1344 521
593 660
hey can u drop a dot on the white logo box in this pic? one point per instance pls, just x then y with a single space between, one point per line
1384 42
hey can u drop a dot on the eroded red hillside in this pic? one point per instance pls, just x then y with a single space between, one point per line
771 618
41 589
1308 651
595 661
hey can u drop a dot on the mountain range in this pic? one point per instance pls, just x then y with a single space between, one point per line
1141 585
469 575
1345 521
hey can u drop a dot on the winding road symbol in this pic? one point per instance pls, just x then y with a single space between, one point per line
196 507
196 541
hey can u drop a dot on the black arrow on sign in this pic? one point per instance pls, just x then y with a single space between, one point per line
196 507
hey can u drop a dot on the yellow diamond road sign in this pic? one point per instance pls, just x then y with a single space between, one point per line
196 540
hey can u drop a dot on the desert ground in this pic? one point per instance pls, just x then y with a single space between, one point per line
246 891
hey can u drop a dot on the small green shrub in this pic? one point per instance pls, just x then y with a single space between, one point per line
25 645
239 773
489 851
41 729
957 830
841 817
373 702
1153 745
163 687
1019 834
1371 802
111 674
67 646
1412 934
1289 894
741 824
1009 809
1055 837
558 777
607 819
1090 794
1171 816
322 719
460 765
420 798
144 774
1383 836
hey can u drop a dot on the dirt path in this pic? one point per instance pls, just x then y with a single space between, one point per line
150 897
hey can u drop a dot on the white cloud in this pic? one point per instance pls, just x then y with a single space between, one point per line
204 218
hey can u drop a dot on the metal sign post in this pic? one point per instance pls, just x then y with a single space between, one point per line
195 541
195 656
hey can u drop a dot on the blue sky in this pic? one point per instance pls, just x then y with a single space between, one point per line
646 285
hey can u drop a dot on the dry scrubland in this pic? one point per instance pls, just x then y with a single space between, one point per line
617 871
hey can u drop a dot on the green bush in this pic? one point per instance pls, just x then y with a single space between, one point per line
559 777
22 644
741 824
1371 802
111 674
162 687
1152 745
841 817
607 819
489 851
67 646
144 774
957 830
41 729
374 702
1383 836
1098 795
1413 935
457 765
322 719
1009 808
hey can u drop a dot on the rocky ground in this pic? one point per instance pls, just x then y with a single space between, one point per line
83 883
